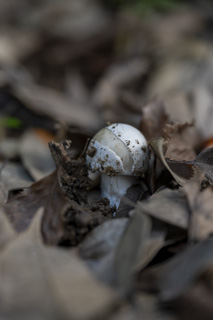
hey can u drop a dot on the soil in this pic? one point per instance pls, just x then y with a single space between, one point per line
81 217
80 220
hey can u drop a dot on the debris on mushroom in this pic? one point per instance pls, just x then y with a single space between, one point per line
119 153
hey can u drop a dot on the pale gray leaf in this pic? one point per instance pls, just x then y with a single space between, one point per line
167 205
131 248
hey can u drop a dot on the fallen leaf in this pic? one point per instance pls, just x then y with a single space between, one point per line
37 161
45 193
196 301
157 145
9 148
153 120
12 177
128 201
180 272
204 161
46 102
180 141
98 249
7 233
146 306
202 96
107 93
42 282
130 250
3 193
200 204
101 240
167 205
197 169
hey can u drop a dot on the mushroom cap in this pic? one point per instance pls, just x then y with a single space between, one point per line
118 149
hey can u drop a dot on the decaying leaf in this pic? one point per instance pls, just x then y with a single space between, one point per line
98 248
204 161
7 233
131 249
102 239
167 205
157 145
200 204
180 141
41 282
3 194
12 177
46 102
9 147
202 95
180 273
37 161
198 169
196 301
69 67
44 193
108 92
133 194
146 306
154 118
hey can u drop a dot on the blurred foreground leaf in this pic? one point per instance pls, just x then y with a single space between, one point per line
145 7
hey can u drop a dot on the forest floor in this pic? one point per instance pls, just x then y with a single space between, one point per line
68 69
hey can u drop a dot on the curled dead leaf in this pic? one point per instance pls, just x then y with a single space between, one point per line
157 145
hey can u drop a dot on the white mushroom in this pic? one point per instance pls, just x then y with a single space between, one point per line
119 152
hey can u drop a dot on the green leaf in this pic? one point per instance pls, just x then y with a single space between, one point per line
10 122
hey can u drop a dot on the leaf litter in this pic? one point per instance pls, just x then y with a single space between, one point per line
64 252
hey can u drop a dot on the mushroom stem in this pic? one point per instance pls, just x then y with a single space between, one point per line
114 188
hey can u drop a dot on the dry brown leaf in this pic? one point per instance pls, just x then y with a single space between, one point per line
180 141
167 205
45 193
204 162
3 193
146 306
101 240
108 92
98 249
131 249
201 204
42 282
154 118
203 111
12 177
178 274
198 169
68 182
9 147
157 145
133 194
196 302
35 155
49 103
7 233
